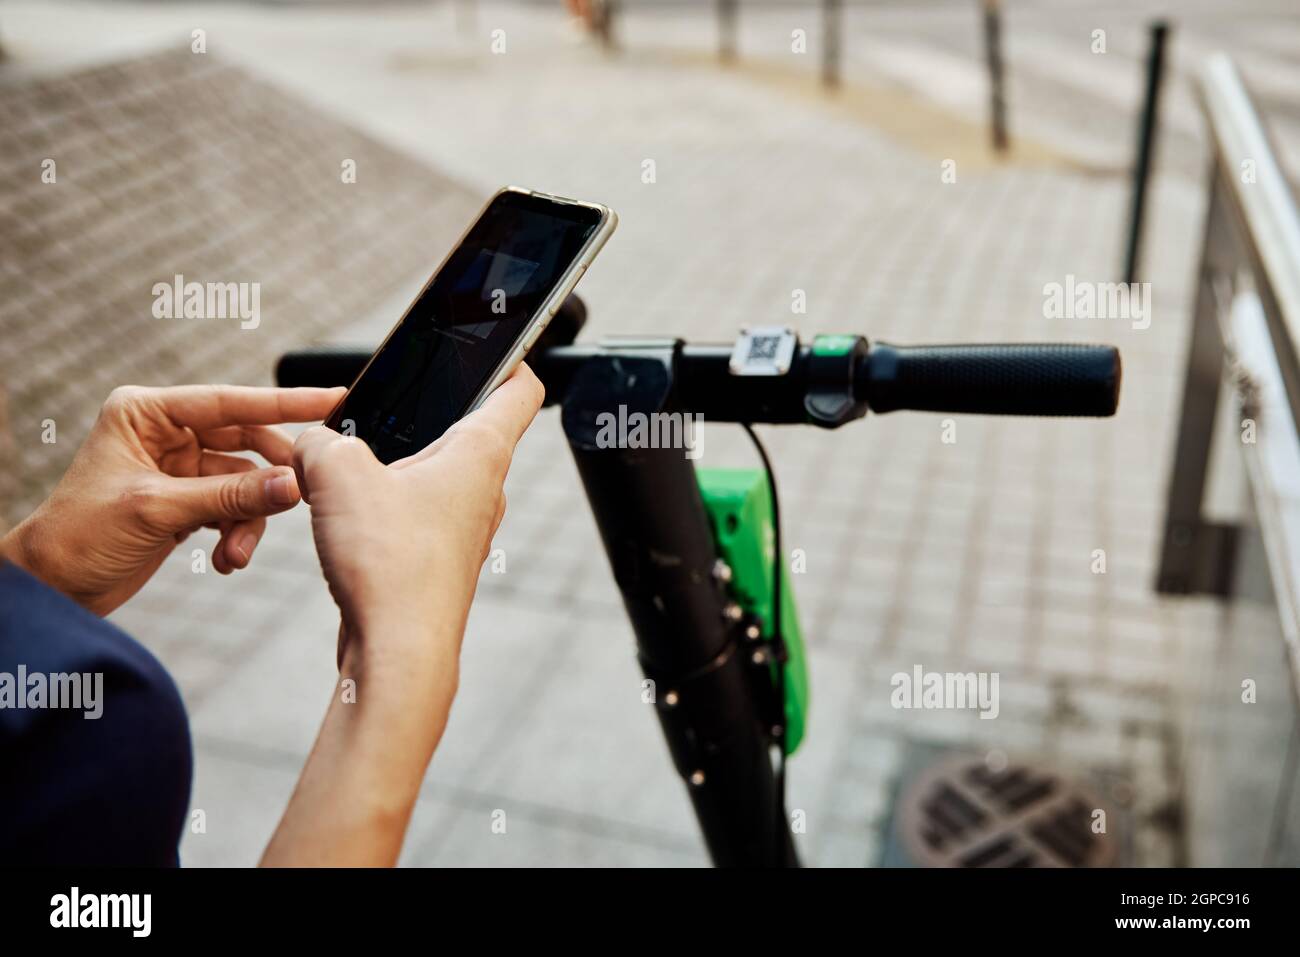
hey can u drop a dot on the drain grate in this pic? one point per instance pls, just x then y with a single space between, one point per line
961 812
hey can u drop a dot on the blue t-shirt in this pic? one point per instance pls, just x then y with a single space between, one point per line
111 790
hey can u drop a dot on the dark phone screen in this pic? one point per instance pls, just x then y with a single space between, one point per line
455 336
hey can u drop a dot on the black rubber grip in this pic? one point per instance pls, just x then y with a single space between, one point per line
1028 379
321 366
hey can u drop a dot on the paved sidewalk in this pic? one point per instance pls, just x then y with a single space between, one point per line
975 555
175 165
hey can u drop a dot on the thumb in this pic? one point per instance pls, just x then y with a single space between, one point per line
231 497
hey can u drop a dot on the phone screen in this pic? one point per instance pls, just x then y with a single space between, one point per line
454 338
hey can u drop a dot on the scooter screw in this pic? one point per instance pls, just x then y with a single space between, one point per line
733 612
753 633
721 571
696 778
671 699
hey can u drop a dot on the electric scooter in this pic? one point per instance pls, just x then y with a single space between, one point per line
695 551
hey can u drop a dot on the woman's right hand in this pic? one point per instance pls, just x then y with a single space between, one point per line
402 545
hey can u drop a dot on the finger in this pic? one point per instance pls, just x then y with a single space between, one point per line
218 552
203 407
523 386
234 549
239 542
234 496
513 406
214 463
320 451
505 414
271 442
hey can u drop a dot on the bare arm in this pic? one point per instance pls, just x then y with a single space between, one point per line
354 799
401 547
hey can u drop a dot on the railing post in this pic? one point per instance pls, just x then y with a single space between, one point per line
1146 149
832 22
605 16
727 30
993 55
1196 555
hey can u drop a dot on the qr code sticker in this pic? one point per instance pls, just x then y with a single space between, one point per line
764 348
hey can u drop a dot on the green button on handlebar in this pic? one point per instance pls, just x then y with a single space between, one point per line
833 345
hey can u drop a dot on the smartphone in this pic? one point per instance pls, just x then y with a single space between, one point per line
471 325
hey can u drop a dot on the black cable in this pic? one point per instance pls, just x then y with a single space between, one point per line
777 643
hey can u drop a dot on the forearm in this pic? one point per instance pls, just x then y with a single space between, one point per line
356 793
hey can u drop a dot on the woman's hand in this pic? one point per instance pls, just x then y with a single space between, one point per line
403 544
156 467
401 547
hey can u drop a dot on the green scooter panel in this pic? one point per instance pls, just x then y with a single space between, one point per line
740 510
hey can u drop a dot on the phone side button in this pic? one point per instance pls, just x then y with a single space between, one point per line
568 289
533 337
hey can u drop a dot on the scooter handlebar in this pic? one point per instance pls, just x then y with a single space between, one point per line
1050 379
1045 379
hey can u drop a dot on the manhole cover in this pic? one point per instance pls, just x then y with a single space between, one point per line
960 812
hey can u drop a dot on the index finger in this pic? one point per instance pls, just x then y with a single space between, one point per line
213 406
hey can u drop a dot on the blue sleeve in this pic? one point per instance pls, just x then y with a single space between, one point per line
77 789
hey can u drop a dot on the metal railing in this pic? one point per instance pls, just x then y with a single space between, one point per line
1242 745
1252 240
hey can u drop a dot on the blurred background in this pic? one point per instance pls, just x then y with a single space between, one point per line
849 150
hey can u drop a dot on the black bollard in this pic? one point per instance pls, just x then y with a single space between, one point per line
1146 148
832 23
727 30
993 55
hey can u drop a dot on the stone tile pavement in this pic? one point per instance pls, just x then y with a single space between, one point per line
967 556
177 164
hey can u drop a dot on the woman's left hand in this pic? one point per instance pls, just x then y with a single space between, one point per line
156 467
